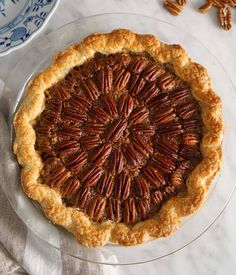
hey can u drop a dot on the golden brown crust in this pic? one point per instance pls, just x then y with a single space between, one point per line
87 232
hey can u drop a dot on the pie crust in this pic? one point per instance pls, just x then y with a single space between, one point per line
88 232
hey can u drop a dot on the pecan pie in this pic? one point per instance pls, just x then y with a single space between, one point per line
119 138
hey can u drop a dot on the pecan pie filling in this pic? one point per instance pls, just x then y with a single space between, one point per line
119 136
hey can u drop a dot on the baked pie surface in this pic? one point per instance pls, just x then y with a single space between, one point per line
119 138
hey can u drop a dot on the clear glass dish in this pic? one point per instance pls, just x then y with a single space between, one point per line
37 59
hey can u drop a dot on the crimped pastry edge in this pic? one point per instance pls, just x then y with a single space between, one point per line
168 219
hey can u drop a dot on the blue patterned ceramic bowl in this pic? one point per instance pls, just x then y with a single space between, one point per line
20 20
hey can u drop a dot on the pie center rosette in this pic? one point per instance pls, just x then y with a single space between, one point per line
119 136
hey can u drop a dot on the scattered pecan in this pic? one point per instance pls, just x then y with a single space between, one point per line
89 142
76 161
90 89
136 84
218 3
141 187
83 198
96 208
131 154
70 187
101 154
121 79
105 185
125 104
206 7
105 79
173 7
122 186
232 3
143 129
116 130
182 2
68 146
137 65
154 176
91 177
149 91
138 115
130 212
164 163
109 105
58 177
117 161
97 113
225 17
114 210
152 71
80 102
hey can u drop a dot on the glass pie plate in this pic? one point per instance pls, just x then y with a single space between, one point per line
38 58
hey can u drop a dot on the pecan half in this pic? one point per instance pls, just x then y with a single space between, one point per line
218 3
70 187
101 154
121 79
173 7
182 2
176 178
157 198
109 105
164 163
144 148
179 95
58 177
159 102
90 89
61 92
154 176
48 118
91 177
167 81
114 212
125 104
190 138
54 105
137 65
89 142
206 7
232 3
66 131
94 128
225 17
186 110
122 186
117 161
136 84
190 152
79 102
192 125
131 154
143 208
105 79
116 130
168 191
138 115
68 146
143 129
105 185
76 161
167 147
76 116
170 130
141 187
97 113
152 72
83 198
164 116
130 212
148 93
96 208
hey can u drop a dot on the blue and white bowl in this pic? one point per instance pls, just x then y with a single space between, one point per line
20 20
